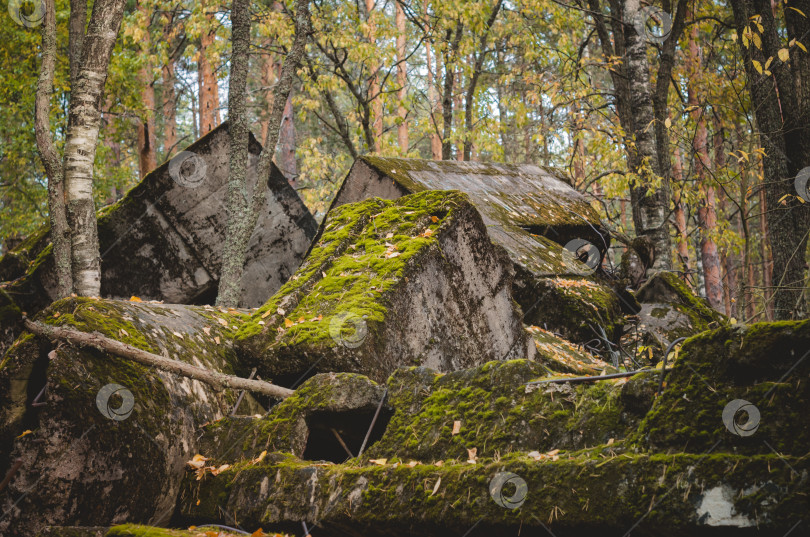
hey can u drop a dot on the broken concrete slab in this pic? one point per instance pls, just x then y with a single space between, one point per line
536 199
163 240
415 281
100 439
547 228
559 355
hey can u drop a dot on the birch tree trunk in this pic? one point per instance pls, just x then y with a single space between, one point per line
84 121
57 212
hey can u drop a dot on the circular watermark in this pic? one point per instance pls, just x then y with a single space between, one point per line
508 490
28 13
581 257
653 23
188 169
103 402
358 326
734 410
802 183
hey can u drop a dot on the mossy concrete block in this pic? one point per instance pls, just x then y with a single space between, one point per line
579 309
320 404
559 355
101 439
766 365
163 240
415 281
533 198
592 492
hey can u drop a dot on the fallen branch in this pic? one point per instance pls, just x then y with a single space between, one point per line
592 378
212 378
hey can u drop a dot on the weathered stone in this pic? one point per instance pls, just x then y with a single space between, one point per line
579 309
414 281
765 364
96 454
163 240
669 310
529 210
561 356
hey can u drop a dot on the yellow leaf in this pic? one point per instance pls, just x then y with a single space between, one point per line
797 10
757 66
197 462
434 219
301 319
134 299
784 54
266 313
768 63
799 44
288 323
216 339
258 533
379 462
757 41
57 314
25 433
260 458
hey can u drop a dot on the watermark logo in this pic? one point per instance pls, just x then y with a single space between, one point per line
28 13
104 404
357 326
734 411
802 183
653 23
188 169
581 257
508 490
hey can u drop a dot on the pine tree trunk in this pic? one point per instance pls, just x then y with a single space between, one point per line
208 88
147 156
169 109
84 121
286 144
60 233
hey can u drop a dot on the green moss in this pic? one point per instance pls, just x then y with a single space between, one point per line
136 530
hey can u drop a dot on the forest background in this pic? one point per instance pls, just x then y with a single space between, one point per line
674 130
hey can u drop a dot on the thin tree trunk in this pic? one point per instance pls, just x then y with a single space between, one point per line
76 24
765 252
247 212
238 201
435 138
451 57
286 144
680 213
213 378
207 83
147 156
374 96
84 121
402 79
60 233
169 109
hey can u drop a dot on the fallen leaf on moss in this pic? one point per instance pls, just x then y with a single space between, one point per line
436 486
380 462
134 298
456 427
223 322
198 461
25 433
288 323
260 458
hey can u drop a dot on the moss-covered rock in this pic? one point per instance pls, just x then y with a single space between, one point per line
579 309
414 281
102 439
595 492
669 310
765 364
